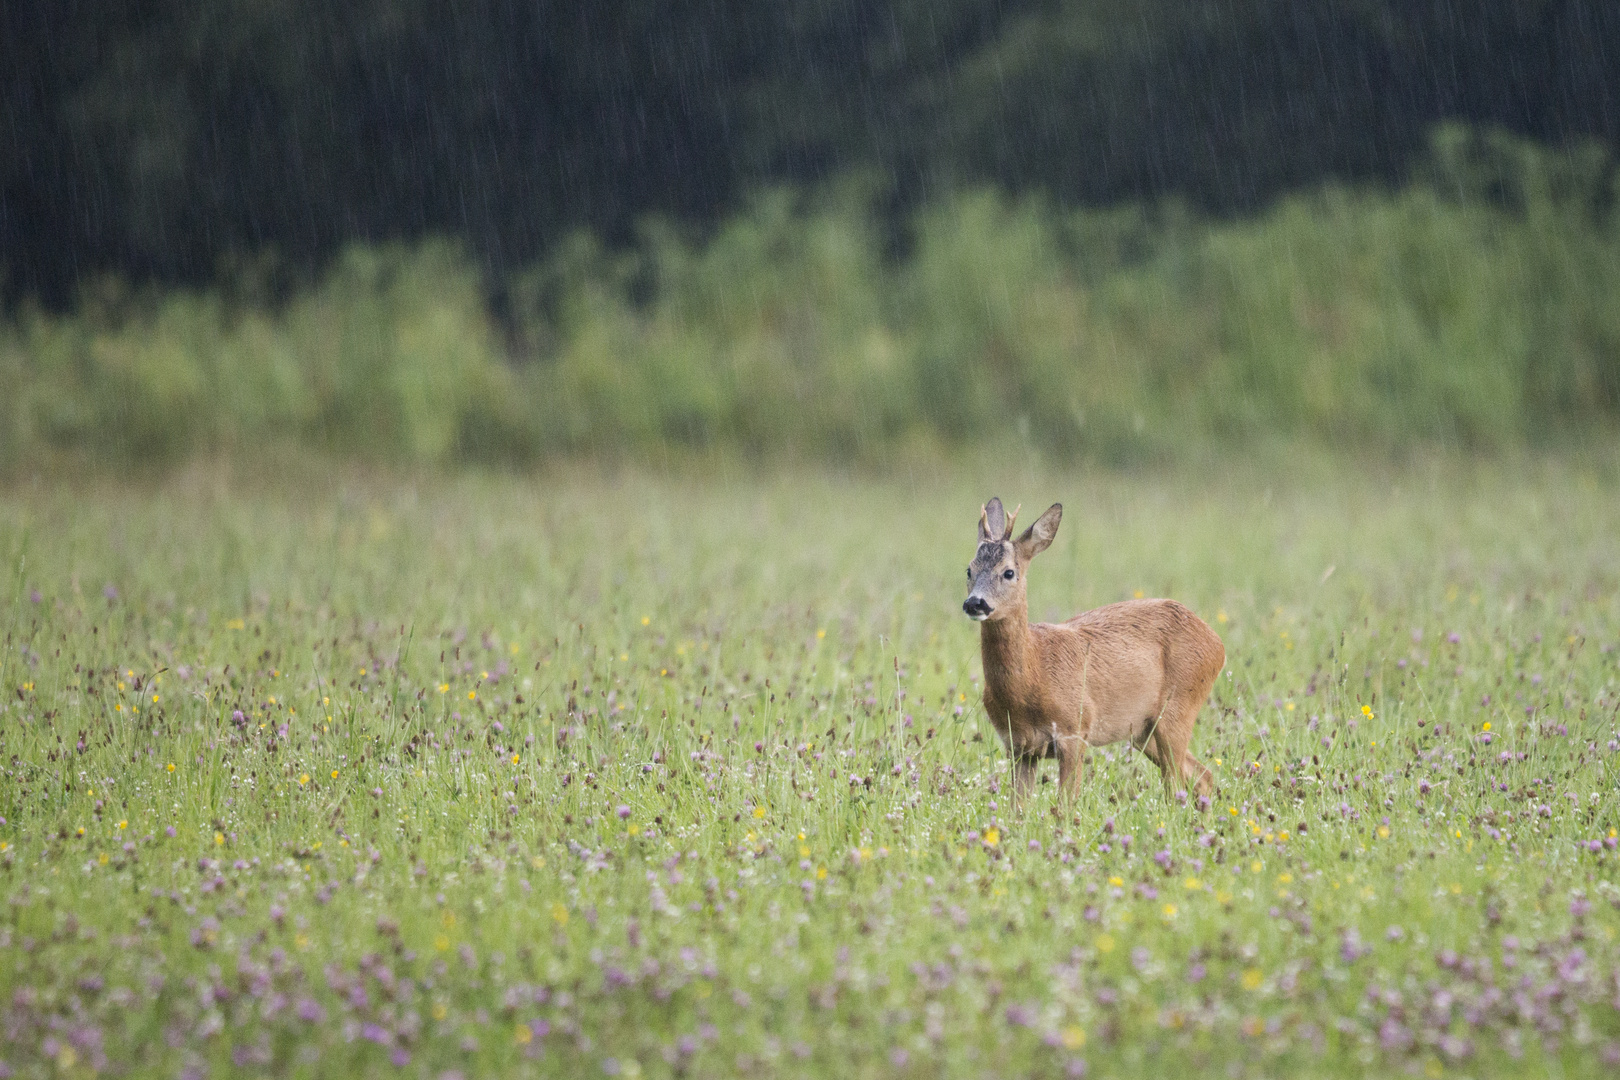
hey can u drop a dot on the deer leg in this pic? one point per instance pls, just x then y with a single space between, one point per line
1071 763
1203 780
1171 736
1024 769
1167 756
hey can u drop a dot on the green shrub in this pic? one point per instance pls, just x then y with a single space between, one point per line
1474 308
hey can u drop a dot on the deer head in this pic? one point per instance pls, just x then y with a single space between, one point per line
996 575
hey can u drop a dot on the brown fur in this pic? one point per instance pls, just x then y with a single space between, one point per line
1138 670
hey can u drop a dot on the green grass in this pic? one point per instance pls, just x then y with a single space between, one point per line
410 844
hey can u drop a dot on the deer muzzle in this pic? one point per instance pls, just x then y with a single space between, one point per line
977 608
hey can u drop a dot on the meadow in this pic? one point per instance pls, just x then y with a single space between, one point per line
319 771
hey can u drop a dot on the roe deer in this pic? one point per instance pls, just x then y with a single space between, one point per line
1137 670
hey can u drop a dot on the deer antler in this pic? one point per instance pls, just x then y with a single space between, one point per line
984 524
1013 518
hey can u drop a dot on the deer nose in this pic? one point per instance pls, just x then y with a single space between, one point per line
976 607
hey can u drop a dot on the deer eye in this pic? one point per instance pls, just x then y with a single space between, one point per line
970 573
1009 573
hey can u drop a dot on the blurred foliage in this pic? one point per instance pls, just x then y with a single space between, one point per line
1473 309
155 139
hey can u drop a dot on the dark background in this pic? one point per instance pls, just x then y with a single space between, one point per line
160 138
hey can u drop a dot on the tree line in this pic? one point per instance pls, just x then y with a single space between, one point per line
166 140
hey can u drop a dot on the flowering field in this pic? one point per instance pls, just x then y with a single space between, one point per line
630 776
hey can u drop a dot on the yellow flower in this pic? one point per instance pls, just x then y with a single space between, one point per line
123 824
1383 832
303 779
102 858
992 836
1252 978
820 634
1169 911
1366 710
821 873
171 766
444 687
1105 943
219 839
522 1034
441 942
1074 1037
759 811
472 695
1220 616
1116 882
1137 594
1192 884
515 758
440 1009
560 914
645 620
79 831
1487 726
1257 866
334 774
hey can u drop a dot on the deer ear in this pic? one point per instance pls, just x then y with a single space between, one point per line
1038 537
992 522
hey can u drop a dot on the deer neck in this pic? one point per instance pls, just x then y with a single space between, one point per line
1009 656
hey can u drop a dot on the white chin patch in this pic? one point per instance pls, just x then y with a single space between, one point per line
978 618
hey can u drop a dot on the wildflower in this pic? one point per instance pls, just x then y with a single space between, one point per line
171 766
334 774
303 779
515 758
1366 710
444 687
1105 943
992 836
759 811
1252 978
559 913
219 839
646 620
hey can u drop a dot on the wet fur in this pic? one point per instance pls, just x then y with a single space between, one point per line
1139 670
